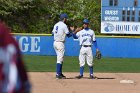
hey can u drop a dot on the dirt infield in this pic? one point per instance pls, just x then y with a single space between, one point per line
45 82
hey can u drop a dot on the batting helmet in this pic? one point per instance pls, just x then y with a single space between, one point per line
86 21
64 15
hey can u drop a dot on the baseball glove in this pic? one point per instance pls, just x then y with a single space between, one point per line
98 55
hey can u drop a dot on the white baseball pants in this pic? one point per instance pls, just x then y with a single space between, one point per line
86 56
59 49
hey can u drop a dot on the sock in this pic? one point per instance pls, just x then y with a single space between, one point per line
61 68
58 67
81 70
91 70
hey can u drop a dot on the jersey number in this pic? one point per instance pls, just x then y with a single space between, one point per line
56 30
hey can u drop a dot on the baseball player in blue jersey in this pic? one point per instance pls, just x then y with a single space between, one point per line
59 32
86 38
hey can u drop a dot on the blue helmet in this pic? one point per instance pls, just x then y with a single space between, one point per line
64 15
86 21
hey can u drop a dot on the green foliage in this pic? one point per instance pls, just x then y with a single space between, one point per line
39 16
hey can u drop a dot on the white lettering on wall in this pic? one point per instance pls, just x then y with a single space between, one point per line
111 12
127 27
111 15
29 44
120 27
34 45
111 18
24 44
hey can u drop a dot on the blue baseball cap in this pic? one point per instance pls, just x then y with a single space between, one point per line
86 21
64 15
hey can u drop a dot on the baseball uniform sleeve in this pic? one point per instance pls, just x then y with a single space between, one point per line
66 30
93 38
53 29
78 34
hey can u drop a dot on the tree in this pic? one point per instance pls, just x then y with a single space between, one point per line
39 16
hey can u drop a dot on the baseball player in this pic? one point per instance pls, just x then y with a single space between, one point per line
13 76
59 32
86 38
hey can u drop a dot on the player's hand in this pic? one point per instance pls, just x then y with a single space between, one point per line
78 29
98 54
97 50
72 28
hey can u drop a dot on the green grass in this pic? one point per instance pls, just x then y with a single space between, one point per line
48 64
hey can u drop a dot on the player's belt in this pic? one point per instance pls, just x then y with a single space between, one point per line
60 41
86 45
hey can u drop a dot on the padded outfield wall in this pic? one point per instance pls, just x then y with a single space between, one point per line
125 47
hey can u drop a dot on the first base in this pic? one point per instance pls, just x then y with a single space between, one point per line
127 81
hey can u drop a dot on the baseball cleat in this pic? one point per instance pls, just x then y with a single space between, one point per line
60 77
64 77
92 77
79 77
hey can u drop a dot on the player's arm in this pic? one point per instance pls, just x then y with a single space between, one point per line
75 36
68 33
13 73
95 42
53 31
22 73
98 54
